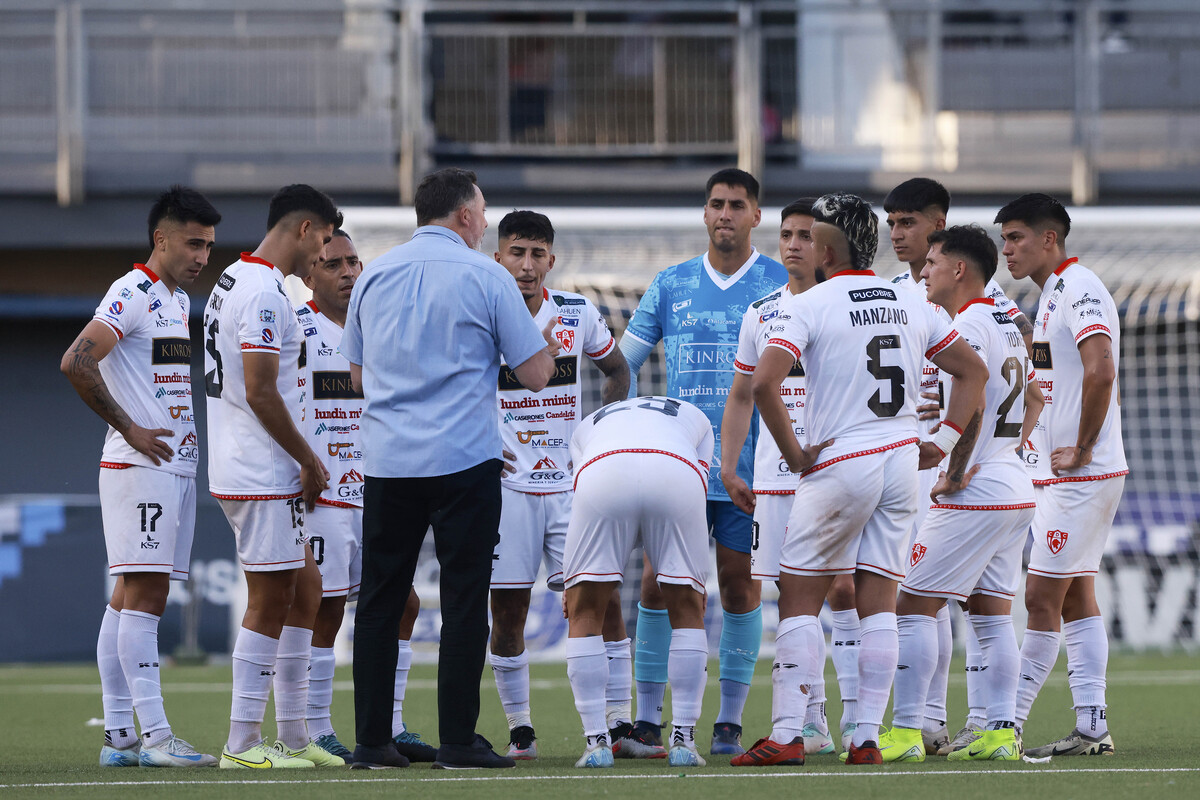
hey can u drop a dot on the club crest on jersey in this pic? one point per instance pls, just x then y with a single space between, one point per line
918 552
1056 541
565 338
268 335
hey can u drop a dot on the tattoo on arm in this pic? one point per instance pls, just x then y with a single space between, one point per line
1023 324
85 375
962 451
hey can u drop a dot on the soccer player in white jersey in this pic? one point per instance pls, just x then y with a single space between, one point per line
774 484
969 546
331 421
915 209
130 364
861 343
264 475
536 429
641 470
1076 345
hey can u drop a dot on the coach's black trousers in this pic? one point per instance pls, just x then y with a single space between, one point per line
464 510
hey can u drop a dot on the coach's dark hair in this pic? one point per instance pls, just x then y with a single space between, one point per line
443 192
300 197
855 218
972 244
526 225
802 206
917 194
733 177
1037 210
181 204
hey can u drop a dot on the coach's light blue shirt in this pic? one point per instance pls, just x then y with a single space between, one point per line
429 321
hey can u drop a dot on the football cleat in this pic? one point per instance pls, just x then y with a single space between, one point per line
319 756
727 740
865 753
902 744
522 744
999 745
597 756
330 744
768 753
262 757
1075 743
643 741
174 752
683 755
815 742
847 735
934 741
120 757
968 733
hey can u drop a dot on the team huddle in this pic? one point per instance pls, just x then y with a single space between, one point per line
914 438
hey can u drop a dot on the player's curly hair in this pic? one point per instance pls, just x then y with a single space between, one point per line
972 244
855 218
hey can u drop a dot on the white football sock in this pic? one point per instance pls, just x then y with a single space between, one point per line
1087 664
650 701
618 692
939 679
291 686
814 713
686 668
878 651
253 668
587 670
796 650
917 638
321 667
114 690
998 642
843 650
1039 651
404 657
512 683
976 683
137 646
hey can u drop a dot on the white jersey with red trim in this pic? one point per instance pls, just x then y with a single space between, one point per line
862 342
1074 306
651 424
537 426
771 472
331 409
148 372
1002 480
249 311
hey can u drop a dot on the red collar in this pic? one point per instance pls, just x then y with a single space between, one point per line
1065 264
313 305
852 272
983 301
253 259
148 272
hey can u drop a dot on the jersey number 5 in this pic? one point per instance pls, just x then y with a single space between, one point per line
894 375
215 377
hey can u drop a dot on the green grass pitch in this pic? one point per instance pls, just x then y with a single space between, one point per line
50 750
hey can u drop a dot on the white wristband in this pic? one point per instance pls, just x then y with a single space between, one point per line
946 437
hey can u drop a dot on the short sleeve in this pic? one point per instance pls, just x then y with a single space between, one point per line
516 332
599 341
969 327
1085 311
790 330
260 320
119 308
746 358
646 323
941 333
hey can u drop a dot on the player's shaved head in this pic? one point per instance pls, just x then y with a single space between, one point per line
181 205
855 220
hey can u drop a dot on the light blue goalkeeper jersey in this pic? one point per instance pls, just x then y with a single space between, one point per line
697 313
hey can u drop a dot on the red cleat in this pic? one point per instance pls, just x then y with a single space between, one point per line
866 753
766 753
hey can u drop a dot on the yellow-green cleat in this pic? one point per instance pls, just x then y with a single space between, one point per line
319 756
902 744
262 757
998 745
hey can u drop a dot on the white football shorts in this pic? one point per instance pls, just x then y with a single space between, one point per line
620 494
269 533
854 514
770 521
1071 526
149 519
926 479
962 551
335 536
533 529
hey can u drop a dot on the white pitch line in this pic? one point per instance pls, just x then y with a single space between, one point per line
491 778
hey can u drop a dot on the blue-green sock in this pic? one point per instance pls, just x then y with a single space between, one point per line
653 645
741 638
